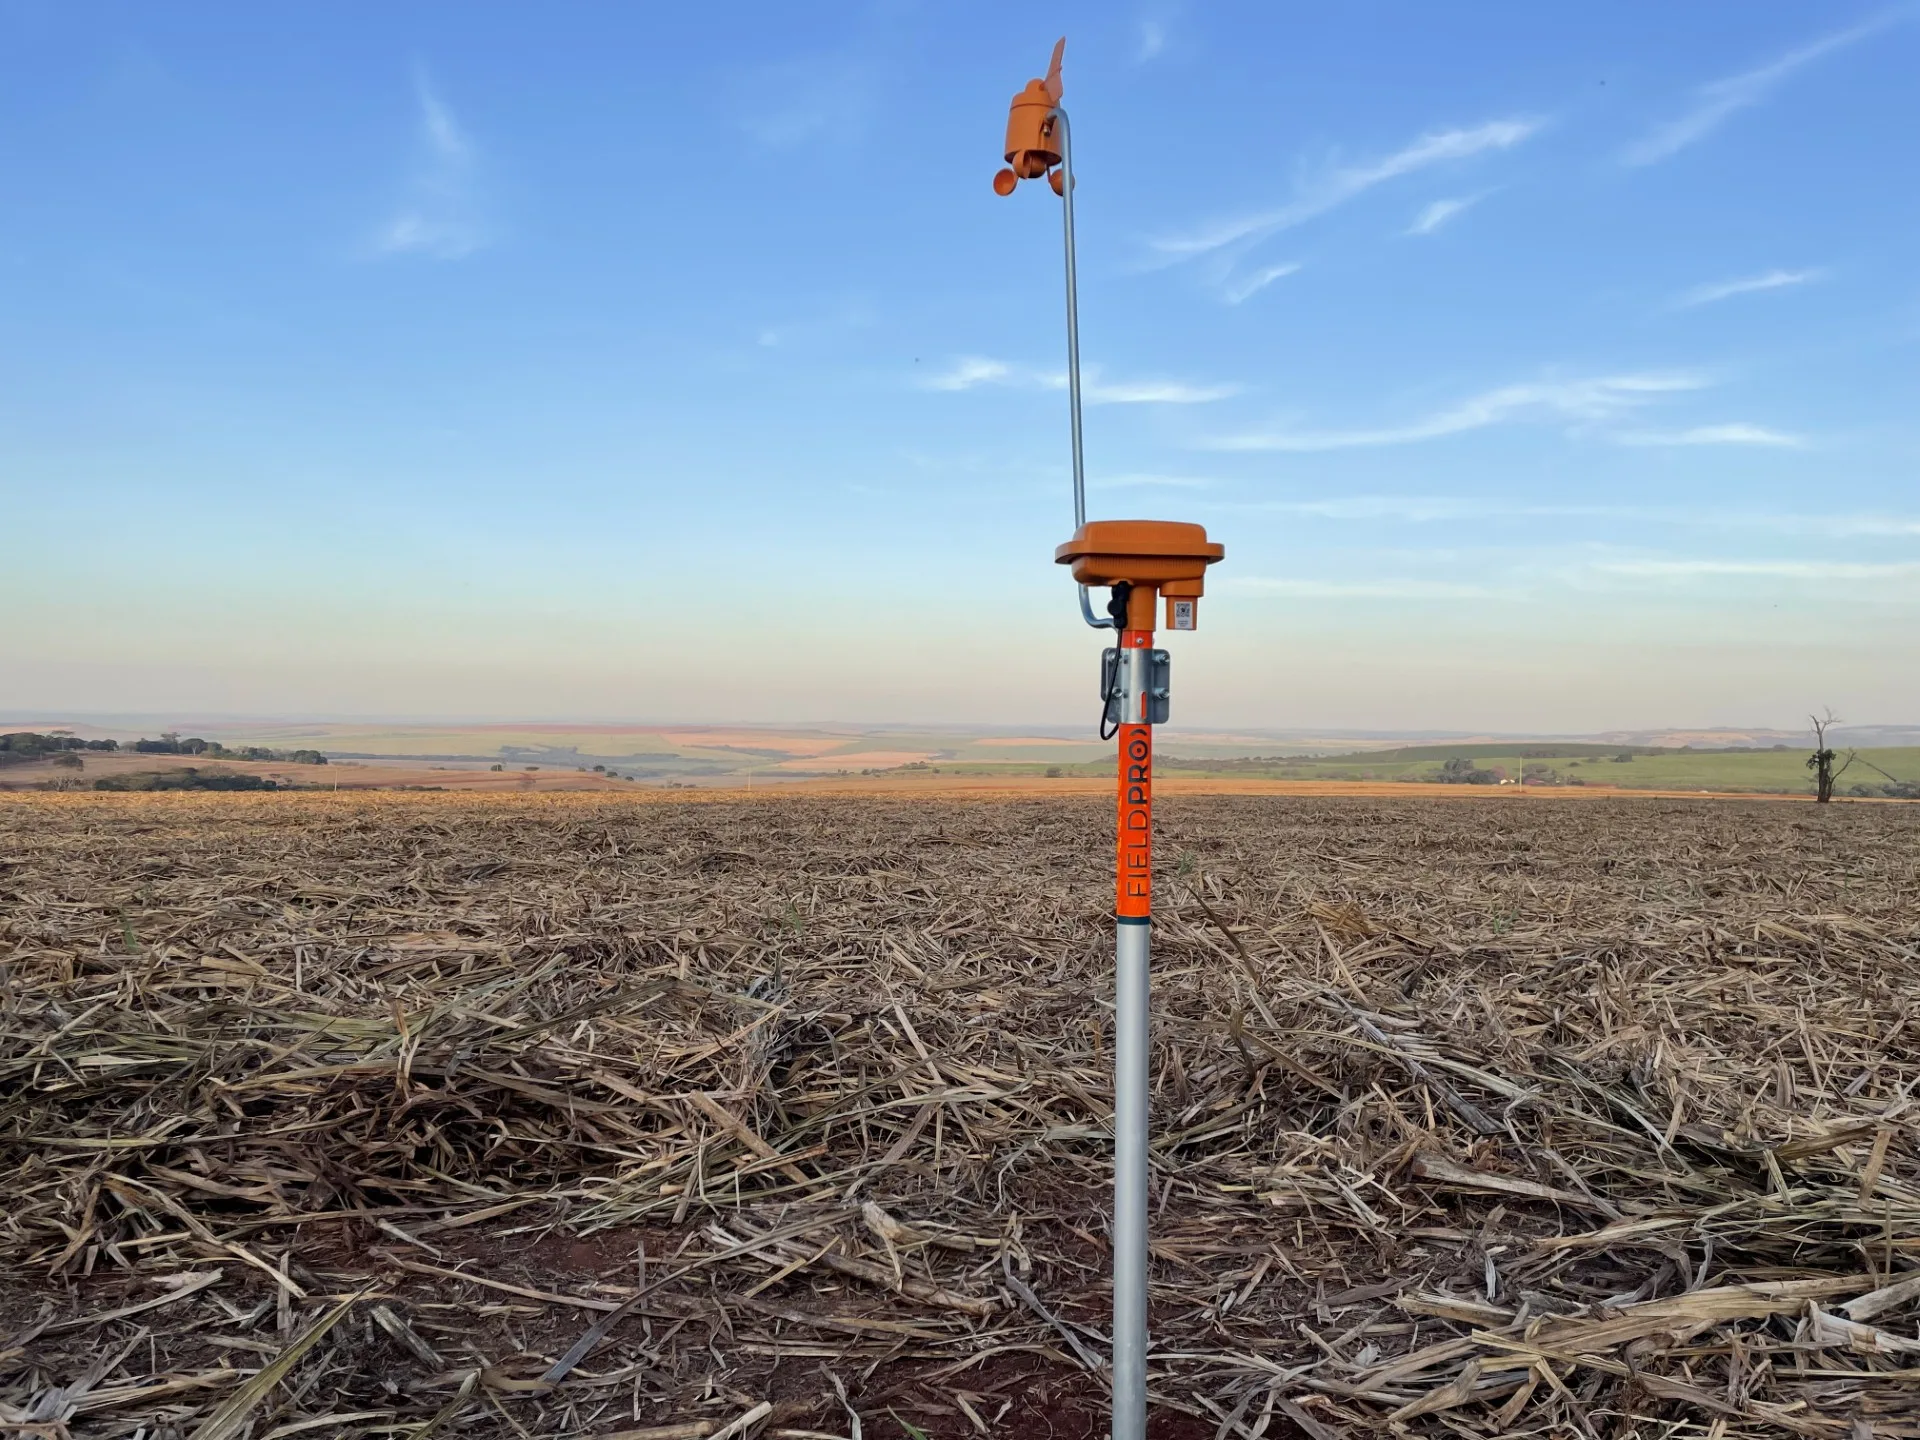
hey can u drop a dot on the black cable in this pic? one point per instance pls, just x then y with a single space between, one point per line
1117 612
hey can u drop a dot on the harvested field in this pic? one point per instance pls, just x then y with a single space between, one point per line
571 1115
339 775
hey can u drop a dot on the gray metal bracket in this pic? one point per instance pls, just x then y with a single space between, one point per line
1159 686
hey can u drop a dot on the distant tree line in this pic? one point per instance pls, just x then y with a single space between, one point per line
1889 790
23 747
1888 787
188 777
1460 770
170 743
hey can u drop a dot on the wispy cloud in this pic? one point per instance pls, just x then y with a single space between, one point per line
1380 589
808 99
1246 286
1151 39
1441 509
1413 509
441 214
1144 482
1097 391
1716 101
1746 285
826 323
1765 569
1732 434
967 372
972 371
1511 576
1440 212
1849 525
1591 400
1336 186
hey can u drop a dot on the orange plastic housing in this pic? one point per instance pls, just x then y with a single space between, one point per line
1169 555
1032 148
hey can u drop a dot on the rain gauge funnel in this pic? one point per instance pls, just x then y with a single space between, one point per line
1141 563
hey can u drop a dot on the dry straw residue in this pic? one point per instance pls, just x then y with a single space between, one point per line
573 1115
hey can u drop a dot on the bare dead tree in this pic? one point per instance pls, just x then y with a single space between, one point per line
1822 758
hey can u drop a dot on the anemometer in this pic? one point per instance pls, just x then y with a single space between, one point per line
1141 563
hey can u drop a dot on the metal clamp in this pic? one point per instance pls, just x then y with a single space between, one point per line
1139 692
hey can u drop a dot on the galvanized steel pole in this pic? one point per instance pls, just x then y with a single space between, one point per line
1132 926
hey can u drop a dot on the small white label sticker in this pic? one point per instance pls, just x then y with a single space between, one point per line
1183 614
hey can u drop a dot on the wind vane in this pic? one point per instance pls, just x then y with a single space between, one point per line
1032 146
1137 561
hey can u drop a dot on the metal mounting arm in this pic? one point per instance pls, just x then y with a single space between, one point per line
1073 351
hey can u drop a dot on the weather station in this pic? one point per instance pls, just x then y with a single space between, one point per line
1140 563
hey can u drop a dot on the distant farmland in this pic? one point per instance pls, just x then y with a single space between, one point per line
1774 771
592 757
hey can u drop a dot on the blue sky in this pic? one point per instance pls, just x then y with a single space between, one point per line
1540 368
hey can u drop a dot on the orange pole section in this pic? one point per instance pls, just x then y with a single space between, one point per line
1134 890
